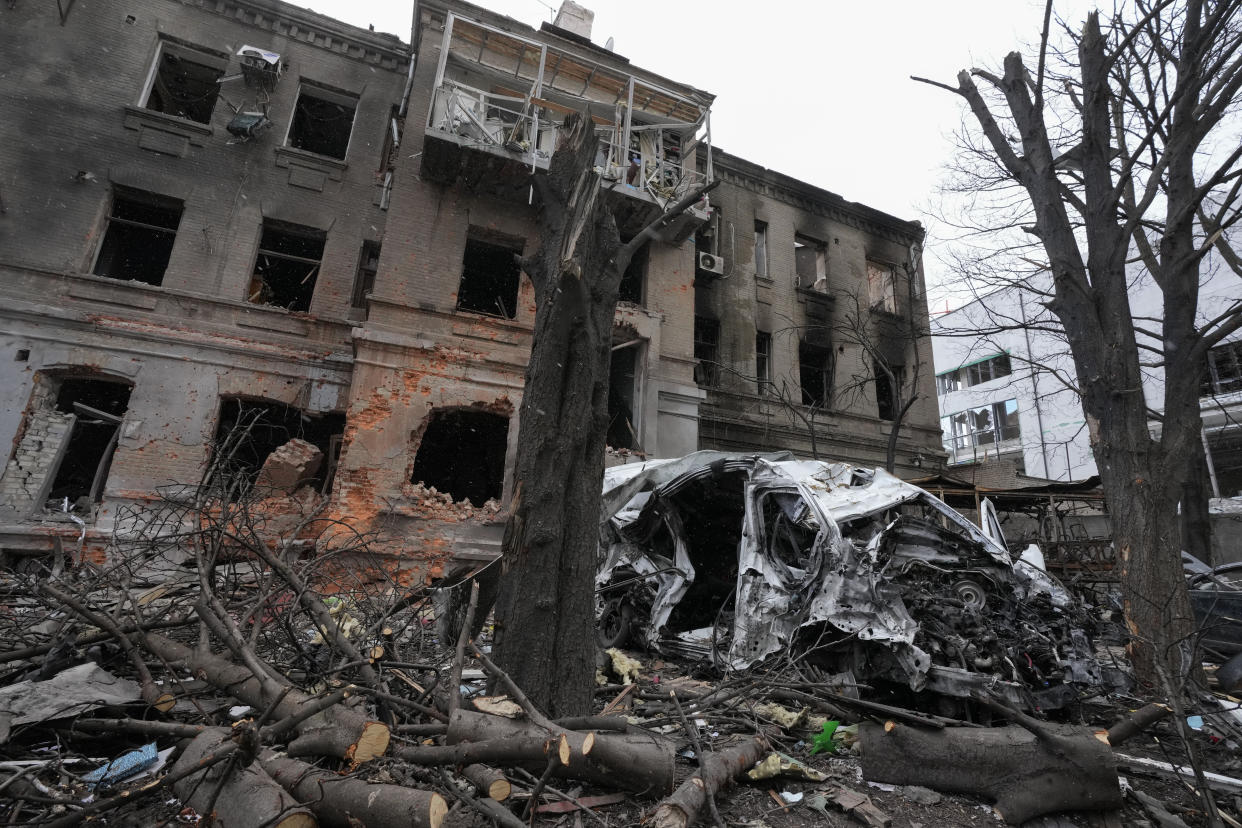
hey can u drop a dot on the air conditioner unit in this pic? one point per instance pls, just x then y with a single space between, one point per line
711 263
260 67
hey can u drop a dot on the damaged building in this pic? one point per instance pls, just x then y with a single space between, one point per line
246 225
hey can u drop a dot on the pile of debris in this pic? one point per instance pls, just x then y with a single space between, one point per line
205 671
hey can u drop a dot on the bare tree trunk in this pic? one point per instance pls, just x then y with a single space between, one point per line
545 636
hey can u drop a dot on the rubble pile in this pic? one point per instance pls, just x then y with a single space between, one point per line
441 506
206 673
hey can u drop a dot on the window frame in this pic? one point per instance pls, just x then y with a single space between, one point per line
192 53
137 196
327 94
292 229
761 251
999 430
888 302
820 249
514 245
706 351
763 360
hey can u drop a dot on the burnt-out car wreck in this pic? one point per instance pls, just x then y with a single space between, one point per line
742 559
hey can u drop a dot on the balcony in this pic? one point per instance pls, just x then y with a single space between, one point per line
498 102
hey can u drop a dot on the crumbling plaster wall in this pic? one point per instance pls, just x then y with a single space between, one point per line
168 428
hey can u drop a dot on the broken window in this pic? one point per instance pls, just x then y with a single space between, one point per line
138 239
811 263
761 249
949 381
322 121
988 370
984 425
815 375
287 265
1223 372
364 281
634 278
94 408
490 274
248 431
462 453
706 351
763 360
64 453
622 376
888 389
881 287
184 83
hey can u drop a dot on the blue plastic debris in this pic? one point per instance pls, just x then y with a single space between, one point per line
124 766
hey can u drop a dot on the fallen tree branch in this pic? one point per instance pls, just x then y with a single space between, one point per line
339 801
681 809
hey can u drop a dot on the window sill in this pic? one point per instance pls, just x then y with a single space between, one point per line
135 116
325 163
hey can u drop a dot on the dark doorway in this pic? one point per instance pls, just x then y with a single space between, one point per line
622 432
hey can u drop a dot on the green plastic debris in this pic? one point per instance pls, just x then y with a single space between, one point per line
822 742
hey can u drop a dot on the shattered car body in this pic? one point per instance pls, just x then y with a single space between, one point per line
741 558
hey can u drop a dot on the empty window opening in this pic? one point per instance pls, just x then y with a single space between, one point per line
887 390
706 351
287 265
185 84
763 360
815 375
322 122
761 249
882 287
138 239
622 375
635 277
810 263
364 281
489 275
462 453
95 408
248 431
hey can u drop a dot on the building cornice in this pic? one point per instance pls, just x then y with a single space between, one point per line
305 26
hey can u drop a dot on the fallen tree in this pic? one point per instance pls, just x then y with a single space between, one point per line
1027 771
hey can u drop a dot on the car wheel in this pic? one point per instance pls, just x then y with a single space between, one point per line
615 624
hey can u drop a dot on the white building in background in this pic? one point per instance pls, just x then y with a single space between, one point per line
998 381
1005 385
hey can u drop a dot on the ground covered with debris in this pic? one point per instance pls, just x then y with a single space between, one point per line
220 667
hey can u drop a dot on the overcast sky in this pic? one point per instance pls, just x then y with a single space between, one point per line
818 90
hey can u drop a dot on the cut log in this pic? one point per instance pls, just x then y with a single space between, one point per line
1135 723
1061 769
489 781
639 762
718 772
340 731
247 795
341 802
